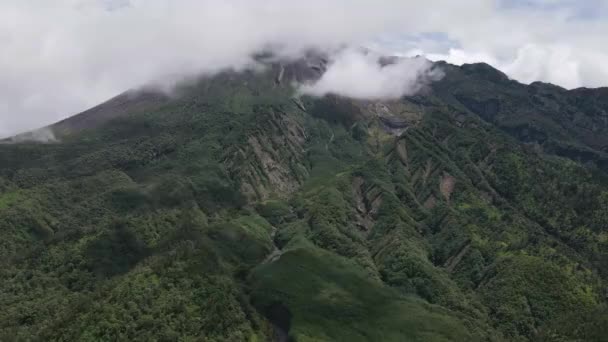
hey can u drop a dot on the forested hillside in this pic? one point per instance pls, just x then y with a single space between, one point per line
237 211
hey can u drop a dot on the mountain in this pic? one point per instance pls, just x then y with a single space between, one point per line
476 210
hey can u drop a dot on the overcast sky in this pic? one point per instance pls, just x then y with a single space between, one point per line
60 57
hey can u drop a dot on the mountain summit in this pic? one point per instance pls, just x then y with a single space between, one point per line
236 209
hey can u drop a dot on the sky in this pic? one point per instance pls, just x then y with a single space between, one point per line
60 57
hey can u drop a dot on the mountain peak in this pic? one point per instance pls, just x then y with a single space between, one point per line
485 71
236 211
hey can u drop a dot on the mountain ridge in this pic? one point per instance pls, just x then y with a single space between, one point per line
475 211
311 68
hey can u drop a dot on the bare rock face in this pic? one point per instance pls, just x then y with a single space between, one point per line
394 124
288 71
311 68
447 185
368 201
270 164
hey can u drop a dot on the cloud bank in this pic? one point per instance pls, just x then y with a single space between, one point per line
360 74
63 56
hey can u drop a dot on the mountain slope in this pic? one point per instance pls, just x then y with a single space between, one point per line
234 211
567 123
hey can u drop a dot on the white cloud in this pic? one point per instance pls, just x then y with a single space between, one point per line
459 56
41 135
358 74
62 56
59 57
555 64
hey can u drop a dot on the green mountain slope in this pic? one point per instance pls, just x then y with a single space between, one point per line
476 211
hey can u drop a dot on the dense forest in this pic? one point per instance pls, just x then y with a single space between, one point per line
234 211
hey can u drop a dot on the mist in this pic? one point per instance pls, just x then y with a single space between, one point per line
40 135
66 56
361 74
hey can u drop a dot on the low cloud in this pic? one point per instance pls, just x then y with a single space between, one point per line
64 56
365 75
42 135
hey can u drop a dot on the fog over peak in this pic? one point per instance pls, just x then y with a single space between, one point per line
63 56
359 74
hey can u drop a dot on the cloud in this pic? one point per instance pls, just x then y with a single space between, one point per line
41 135
63 56
555 64
358 74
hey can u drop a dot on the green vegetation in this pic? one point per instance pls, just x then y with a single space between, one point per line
236 213
331 299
